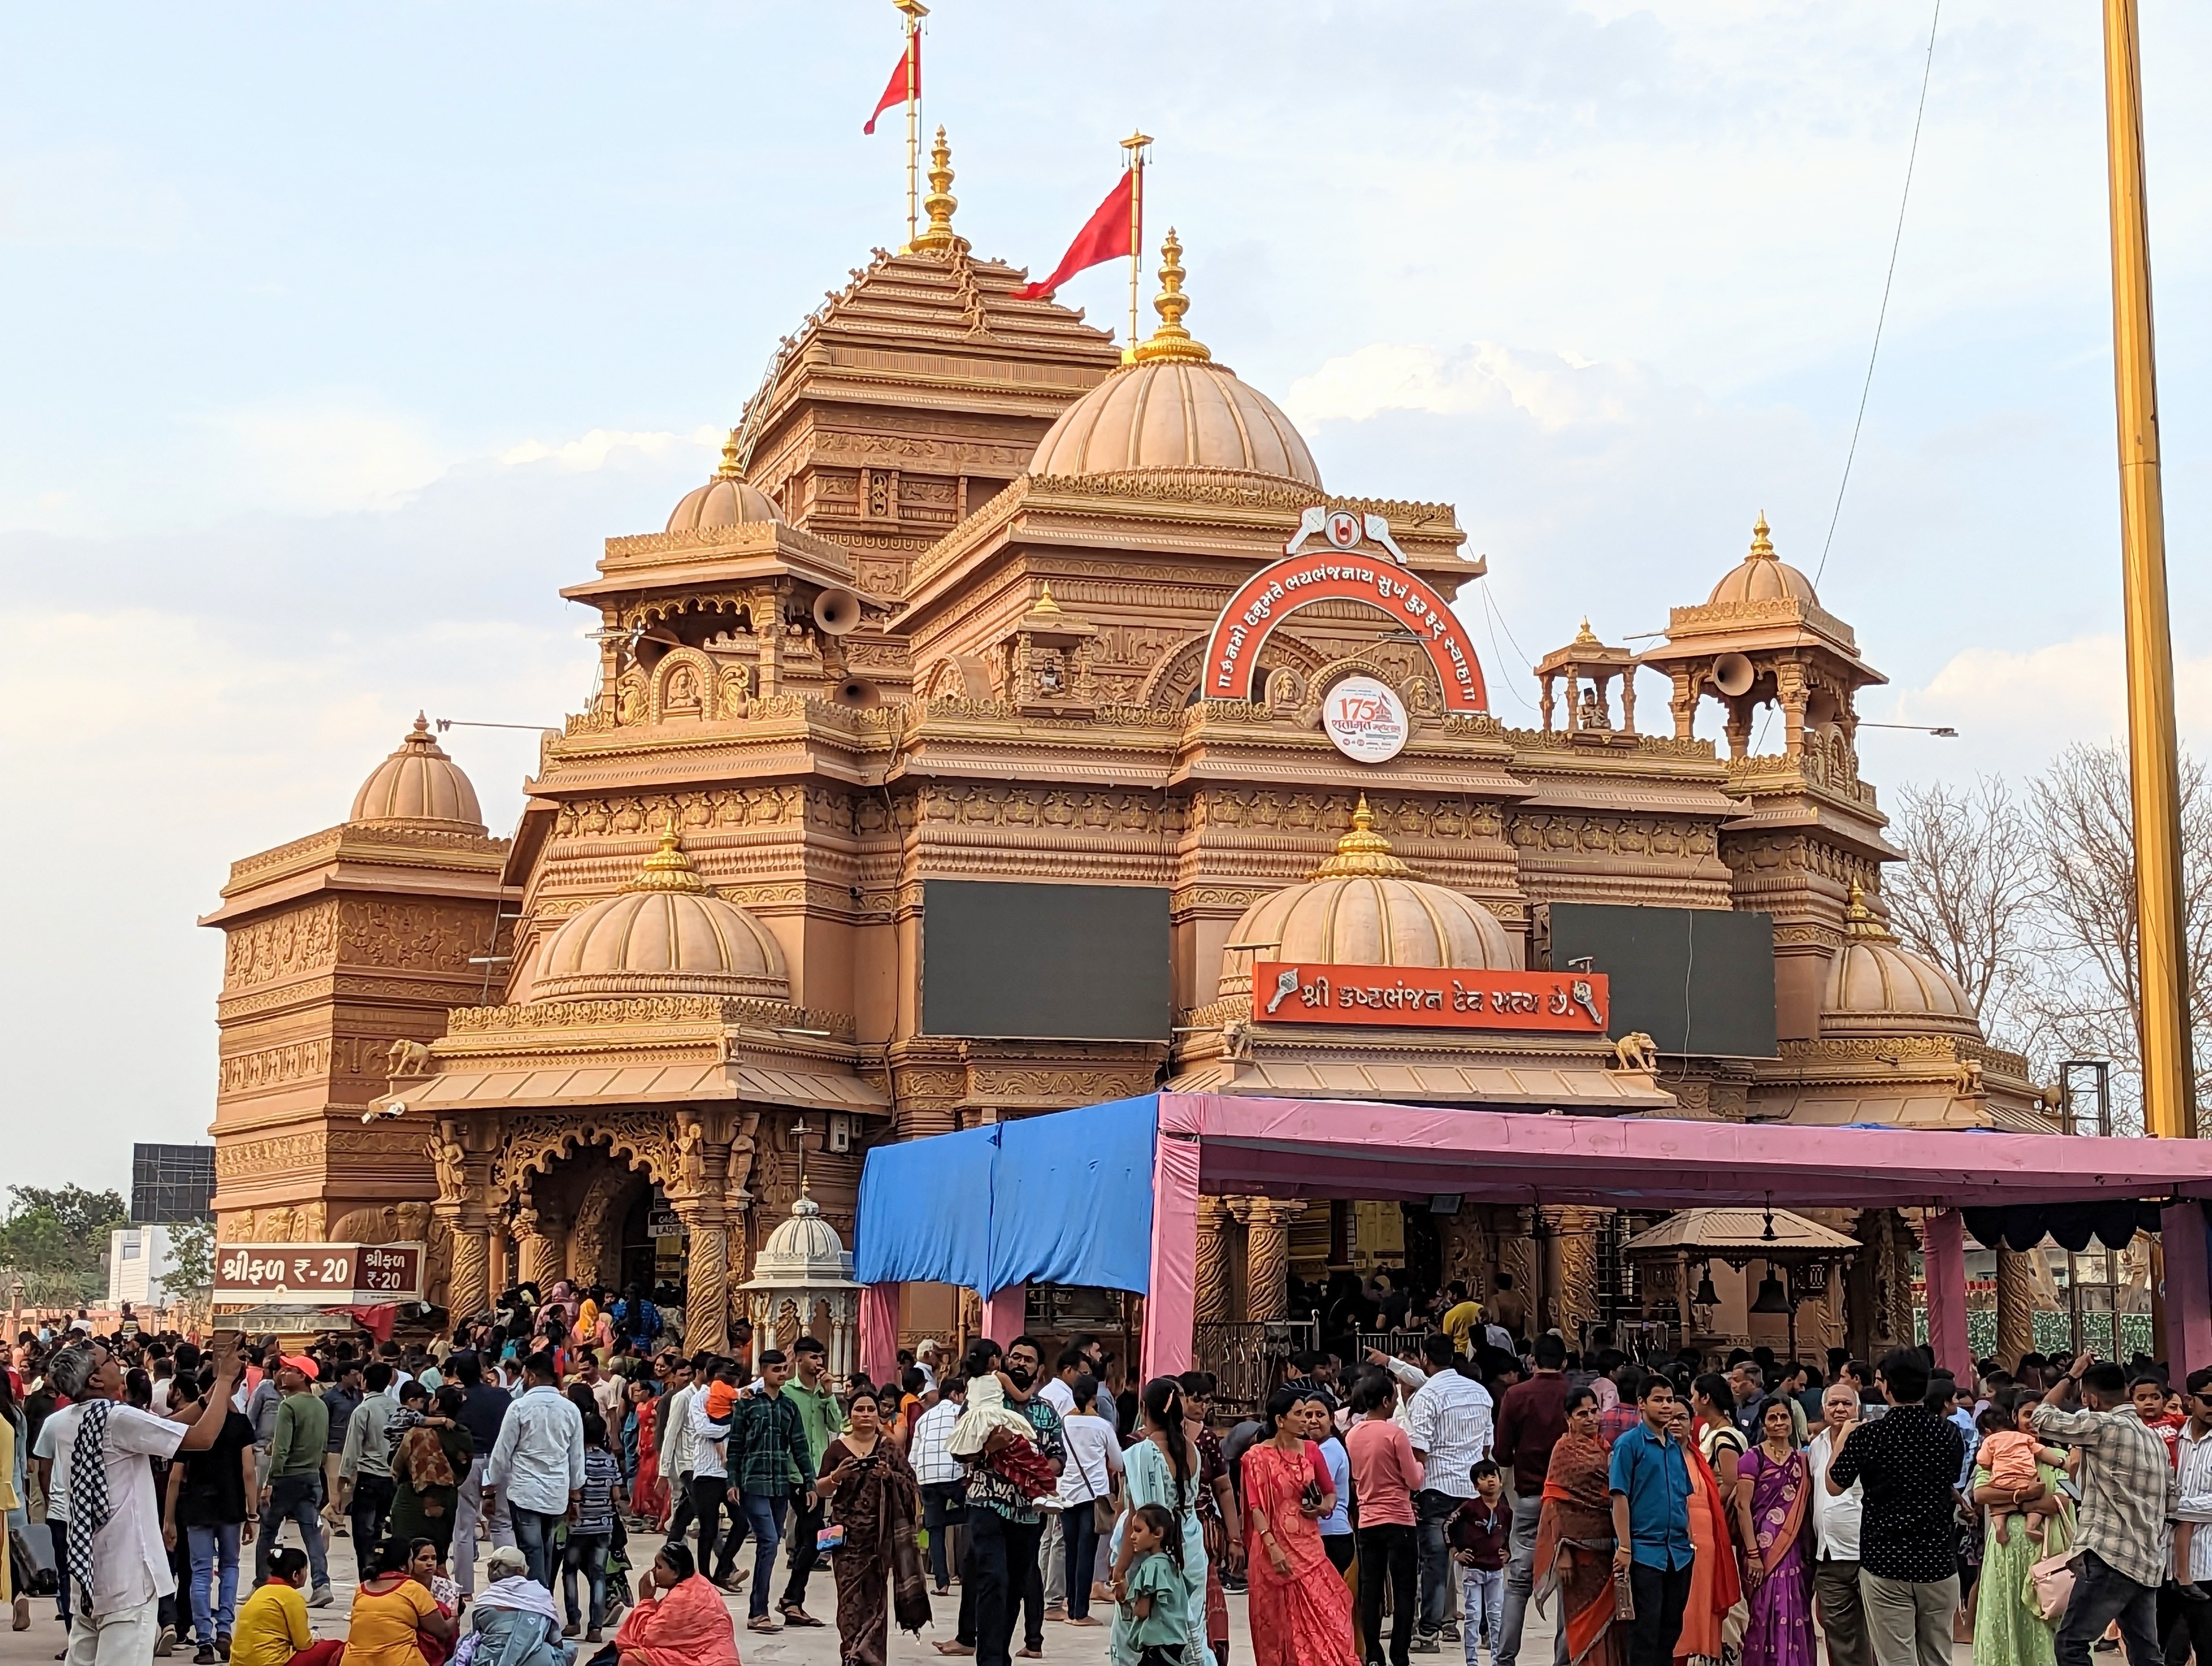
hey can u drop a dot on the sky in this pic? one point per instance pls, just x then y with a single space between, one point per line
332 342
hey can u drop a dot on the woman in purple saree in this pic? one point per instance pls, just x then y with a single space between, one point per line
1780 1632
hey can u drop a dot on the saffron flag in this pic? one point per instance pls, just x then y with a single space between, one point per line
905 82
1107 236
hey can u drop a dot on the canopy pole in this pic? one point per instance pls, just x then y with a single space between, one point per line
1945 1265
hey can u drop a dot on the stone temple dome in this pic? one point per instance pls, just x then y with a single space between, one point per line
1761 576
805 1250
1876 988
1171 407
420 785
727 499
664 934
1364 906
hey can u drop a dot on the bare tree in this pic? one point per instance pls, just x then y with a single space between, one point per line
1965 896
2082 982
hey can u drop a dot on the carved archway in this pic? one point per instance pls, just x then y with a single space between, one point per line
534 1143
1262 602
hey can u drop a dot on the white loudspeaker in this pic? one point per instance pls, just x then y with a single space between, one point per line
859 693
837 611
1732 674
840 1132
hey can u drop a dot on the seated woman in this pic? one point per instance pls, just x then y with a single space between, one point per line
680 1619
395 1615
514 1622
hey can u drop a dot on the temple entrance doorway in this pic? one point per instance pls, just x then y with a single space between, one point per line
585 1217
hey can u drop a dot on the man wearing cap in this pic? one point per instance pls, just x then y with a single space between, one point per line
292 1490
111 1543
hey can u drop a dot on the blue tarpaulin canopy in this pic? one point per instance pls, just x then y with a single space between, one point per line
1062 1198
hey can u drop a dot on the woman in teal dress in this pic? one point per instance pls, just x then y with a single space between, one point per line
2008 1629
1162 1469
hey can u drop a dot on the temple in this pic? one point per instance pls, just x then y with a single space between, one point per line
965 748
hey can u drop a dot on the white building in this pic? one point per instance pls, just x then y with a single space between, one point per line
137 1256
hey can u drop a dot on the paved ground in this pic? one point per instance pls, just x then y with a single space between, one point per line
792 1647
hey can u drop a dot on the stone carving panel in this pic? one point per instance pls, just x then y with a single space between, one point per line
282 946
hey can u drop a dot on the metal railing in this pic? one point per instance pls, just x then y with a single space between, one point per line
1250 1359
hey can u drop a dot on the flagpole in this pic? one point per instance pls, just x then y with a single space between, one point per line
914 11
1136 144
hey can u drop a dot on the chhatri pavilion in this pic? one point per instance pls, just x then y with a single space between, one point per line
959 753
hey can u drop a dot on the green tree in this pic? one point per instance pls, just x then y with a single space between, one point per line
191 1247
56 1240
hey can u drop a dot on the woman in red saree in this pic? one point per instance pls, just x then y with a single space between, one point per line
1574 1538
680 1619
648 1502
1716 1587
1299 1609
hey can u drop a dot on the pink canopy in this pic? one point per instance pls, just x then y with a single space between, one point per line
1327 1148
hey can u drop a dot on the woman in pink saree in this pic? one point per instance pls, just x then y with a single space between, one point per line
1780 1629
1299 1607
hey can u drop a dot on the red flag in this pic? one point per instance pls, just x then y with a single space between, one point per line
1105 237
905 81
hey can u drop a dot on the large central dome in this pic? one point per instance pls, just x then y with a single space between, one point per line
1364 906
1171 407
664 934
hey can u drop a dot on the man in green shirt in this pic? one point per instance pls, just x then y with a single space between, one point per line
820 1417
294 1490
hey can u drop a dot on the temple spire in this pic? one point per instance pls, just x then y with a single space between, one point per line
1171 340
939 237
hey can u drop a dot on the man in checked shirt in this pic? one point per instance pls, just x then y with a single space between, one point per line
2128 1499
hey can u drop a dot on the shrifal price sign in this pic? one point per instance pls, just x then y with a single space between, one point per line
1430 998
340 1275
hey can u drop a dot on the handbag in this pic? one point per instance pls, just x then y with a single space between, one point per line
832 1537
1104 1514
2051 1587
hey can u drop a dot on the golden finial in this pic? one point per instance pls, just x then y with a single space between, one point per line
1044 601
1585 634
937 234
1170 340
668 868
1363 851
1859 919
1762 547
730 470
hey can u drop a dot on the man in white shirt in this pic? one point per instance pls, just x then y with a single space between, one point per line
944 1508
1451 1418
537 1466
2179 1610
675 1445
115 1558
927 1356
1836 1531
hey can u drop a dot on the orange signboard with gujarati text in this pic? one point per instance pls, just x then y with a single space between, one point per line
340 1274
1430 998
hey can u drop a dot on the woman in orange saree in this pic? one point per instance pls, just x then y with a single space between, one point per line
1716 1587
1574 1538
1299 1609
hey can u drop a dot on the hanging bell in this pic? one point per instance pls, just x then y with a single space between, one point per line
1771 1297
1706 1296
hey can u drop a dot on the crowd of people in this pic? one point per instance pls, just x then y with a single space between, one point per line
1655 1513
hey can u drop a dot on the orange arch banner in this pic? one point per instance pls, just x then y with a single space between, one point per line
1278 590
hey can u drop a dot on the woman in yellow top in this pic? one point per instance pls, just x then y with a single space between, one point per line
272 1624
12 1431
392 1607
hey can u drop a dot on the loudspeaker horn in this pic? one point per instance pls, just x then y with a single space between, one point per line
1822 709
1732 674
837 611
858 693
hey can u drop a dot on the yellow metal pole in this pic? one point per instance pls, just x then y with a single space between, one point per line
1136 144
2168 1075
914 11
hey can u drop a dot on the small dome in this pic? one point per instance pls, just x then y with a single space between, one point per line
664 934
727 499
1763 577
804 1249
419 785
1876 988
1173 408
1364 906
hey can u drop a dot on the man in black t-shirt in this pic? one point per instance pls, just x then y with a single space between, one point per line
209 1504
1909 1464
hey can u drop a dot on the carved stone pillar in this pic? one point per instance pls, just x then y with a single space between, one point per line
1212 1272
1516 1256
1880 1312
768 635
1570 1269
1792 694
705 1277
2015 1307
536 1250
1267 1255
464 1194
1684 705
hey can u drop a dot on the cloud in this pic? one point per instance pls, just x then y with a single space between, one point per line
592 450
322 458
1486 377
